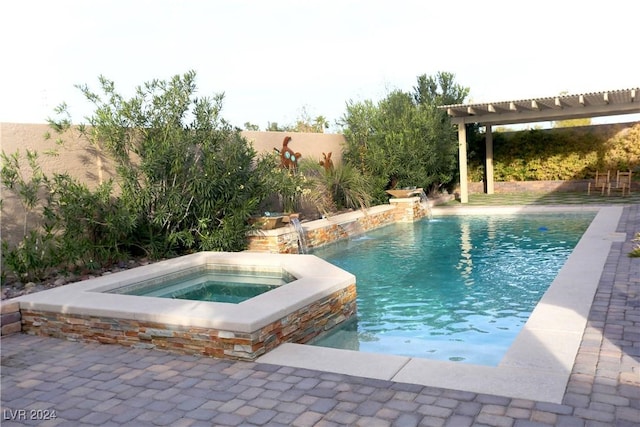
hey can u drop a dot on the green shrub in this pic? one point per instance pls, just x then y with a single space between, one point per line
185 181
65 224
91 226
405 140
288 187
335 189
36 252
184 173
32 257
559 154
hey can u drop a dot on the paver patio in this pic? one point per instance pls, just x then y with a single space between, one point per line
92 384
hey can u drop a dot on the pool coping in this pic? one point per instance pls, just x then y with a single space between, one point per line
536 366
315 279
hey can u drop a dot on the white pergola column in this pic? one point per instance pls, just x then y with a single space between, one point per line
462 155
489 159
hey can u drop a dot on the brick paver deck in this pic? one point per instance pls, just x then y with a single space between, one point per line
92 384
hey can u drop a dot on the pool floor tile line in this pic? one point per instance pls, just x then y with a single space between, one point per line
603 388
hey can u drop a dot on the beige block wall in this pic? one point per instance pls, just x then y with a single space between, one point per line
77 158
310 145
86 164
81 161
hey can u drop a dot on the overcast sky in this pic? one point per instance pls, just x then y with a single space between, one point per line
272 58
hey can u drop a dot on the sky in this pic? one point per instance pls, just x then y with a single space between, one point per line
276 60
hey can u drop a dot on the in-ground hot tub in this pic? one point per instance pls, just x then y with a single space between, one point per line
315 297
212 282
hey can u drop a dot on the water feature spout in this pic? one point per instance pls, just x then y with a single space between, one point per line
424 202
302 241
352 228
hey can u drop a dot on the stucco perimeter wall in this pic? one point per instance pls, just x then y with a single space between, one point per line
83 162
310 145
77 158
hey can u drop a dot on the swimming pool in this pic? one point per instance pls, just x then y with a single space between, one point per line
456 288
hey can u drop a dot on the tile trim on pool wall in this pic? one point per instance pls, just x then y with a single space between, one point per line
536 366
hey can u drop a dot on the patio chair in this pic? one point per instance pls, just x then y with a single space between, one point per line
623 182
602 182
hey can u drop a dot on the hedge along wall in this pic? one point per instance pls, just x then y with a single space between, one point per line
84 162
560 153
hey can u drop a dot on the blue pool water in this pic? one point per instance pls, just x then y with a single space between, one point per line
456 288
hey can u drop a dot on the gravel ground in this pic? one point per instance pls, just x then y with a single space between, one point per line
14 288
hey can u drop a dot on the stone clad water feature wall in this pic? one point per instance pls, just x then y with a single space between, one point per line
337 227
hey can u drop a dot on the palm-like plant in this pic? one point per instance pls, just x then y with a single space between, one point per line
342 187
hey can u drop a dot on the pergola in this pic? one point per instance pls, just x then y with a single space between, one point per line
564 107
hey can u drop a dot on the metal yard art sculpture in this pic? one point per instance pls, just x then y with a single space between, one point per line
288 159
327 163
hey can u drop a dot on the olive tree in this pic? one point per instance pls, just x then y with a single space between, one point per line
405 140
185 175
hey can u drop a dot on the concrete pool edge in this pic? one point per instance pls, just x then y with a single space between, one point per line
537 365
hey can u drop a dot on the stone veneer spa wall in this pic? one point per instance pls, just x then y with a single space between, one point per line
320 297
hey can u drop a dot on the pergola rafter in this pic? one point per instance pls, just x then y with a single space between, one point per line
553 108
